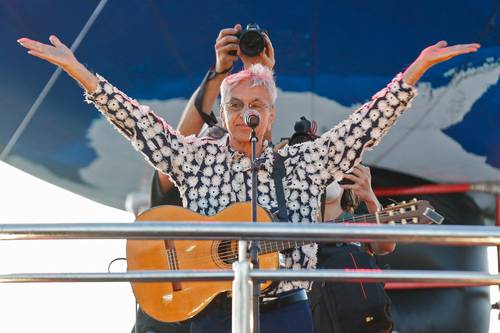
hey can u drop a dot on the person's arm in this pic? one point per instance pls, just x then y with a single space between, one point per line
362 188
162 146
191 122
340 149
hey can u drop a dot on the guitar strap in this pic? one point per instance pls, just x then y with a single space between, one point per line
209 119
323 205
278 175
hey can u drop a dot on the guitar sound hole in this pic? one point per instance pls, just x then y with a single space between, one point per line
227 252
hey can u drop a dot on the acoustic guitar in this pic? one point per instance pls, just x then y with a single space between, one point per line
178 301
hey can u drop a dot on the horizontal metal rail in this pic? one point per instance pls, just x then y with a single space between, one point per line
338 275
431 234
130 276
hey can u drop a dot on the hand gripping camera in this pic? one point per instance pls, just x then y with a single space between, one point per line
252 40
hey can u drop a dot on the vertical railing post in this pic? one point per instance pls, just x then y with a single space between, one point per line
497 223
242 314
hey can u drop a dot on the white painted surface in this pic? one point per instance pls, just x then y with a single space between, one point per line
61 307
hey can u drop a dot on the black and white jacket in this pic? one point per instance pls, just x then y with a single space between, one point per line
210 175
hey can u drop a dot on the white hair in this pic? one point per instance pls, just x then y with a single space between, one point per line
258 74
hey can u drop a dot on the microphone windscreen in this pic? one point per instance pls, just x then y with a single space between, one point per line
251 118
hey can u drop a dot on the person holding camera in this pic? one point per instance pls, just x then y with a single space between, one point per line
212 175
198 111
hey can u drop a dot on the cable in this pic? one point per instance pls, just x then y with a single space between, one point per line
112 261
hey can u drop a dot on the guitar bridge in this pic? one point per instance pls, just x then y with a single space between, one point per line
173 262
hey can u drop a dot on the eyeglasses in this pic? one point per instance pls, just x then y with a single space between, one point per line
235 105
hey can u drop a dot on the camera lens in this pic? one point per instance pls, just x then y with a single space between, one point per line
252 43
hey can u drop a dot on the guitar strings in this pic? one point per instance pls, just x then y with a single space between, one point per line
230 254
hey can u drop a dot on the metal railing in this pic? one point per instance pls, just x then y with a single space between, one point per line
337 275
243 275
429 234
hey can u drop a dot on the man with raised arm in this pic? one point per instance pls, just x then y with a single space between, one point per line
197 112
212 175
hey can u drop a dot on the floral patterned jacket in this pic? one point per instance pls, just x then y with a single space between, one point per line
211 175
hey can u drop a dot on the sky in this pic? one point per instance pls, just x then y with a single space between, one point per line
72 307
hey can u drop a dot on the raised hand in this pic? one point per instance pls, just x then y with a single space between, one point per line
440 52
362 187
60 55
433 55
226 48
227 51
57 53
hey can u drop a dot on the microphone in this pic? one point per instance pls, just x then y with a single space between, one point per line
251 118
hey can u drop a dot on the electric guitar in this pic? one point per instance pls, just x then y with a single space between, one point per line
177 301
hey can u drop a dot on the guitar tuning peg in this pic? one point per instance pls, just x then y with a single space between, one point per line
392 205
403 202
414 200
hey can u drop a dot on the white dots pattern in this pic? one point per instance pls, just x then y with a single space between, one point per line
212 175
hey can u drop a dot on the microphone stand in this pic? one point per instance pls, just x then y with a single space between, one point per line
254 245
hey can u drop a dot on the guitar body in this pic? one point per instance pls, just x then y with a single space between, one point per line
178 301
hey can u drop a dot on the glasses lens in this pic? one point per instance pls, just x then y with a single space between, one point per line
235 106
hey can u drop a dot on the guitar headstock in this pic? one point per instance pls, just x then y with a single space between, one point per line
412 212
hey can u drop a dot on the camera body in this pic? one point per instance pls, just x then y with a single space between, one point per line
251 40
303 126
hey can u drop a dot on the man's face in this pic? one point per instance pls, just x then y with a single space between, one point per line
241 98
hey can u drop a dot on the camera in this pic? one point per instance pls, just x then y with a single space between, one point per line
252 40
303 126
305 130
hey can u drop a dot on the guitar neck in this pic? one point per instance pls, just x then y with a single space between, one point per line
277 246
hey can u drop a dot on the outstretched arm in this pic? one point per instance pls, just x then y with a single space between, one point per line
163 147
340 149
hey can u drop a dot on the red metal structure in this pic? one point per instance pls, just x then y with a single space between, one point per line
493 188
